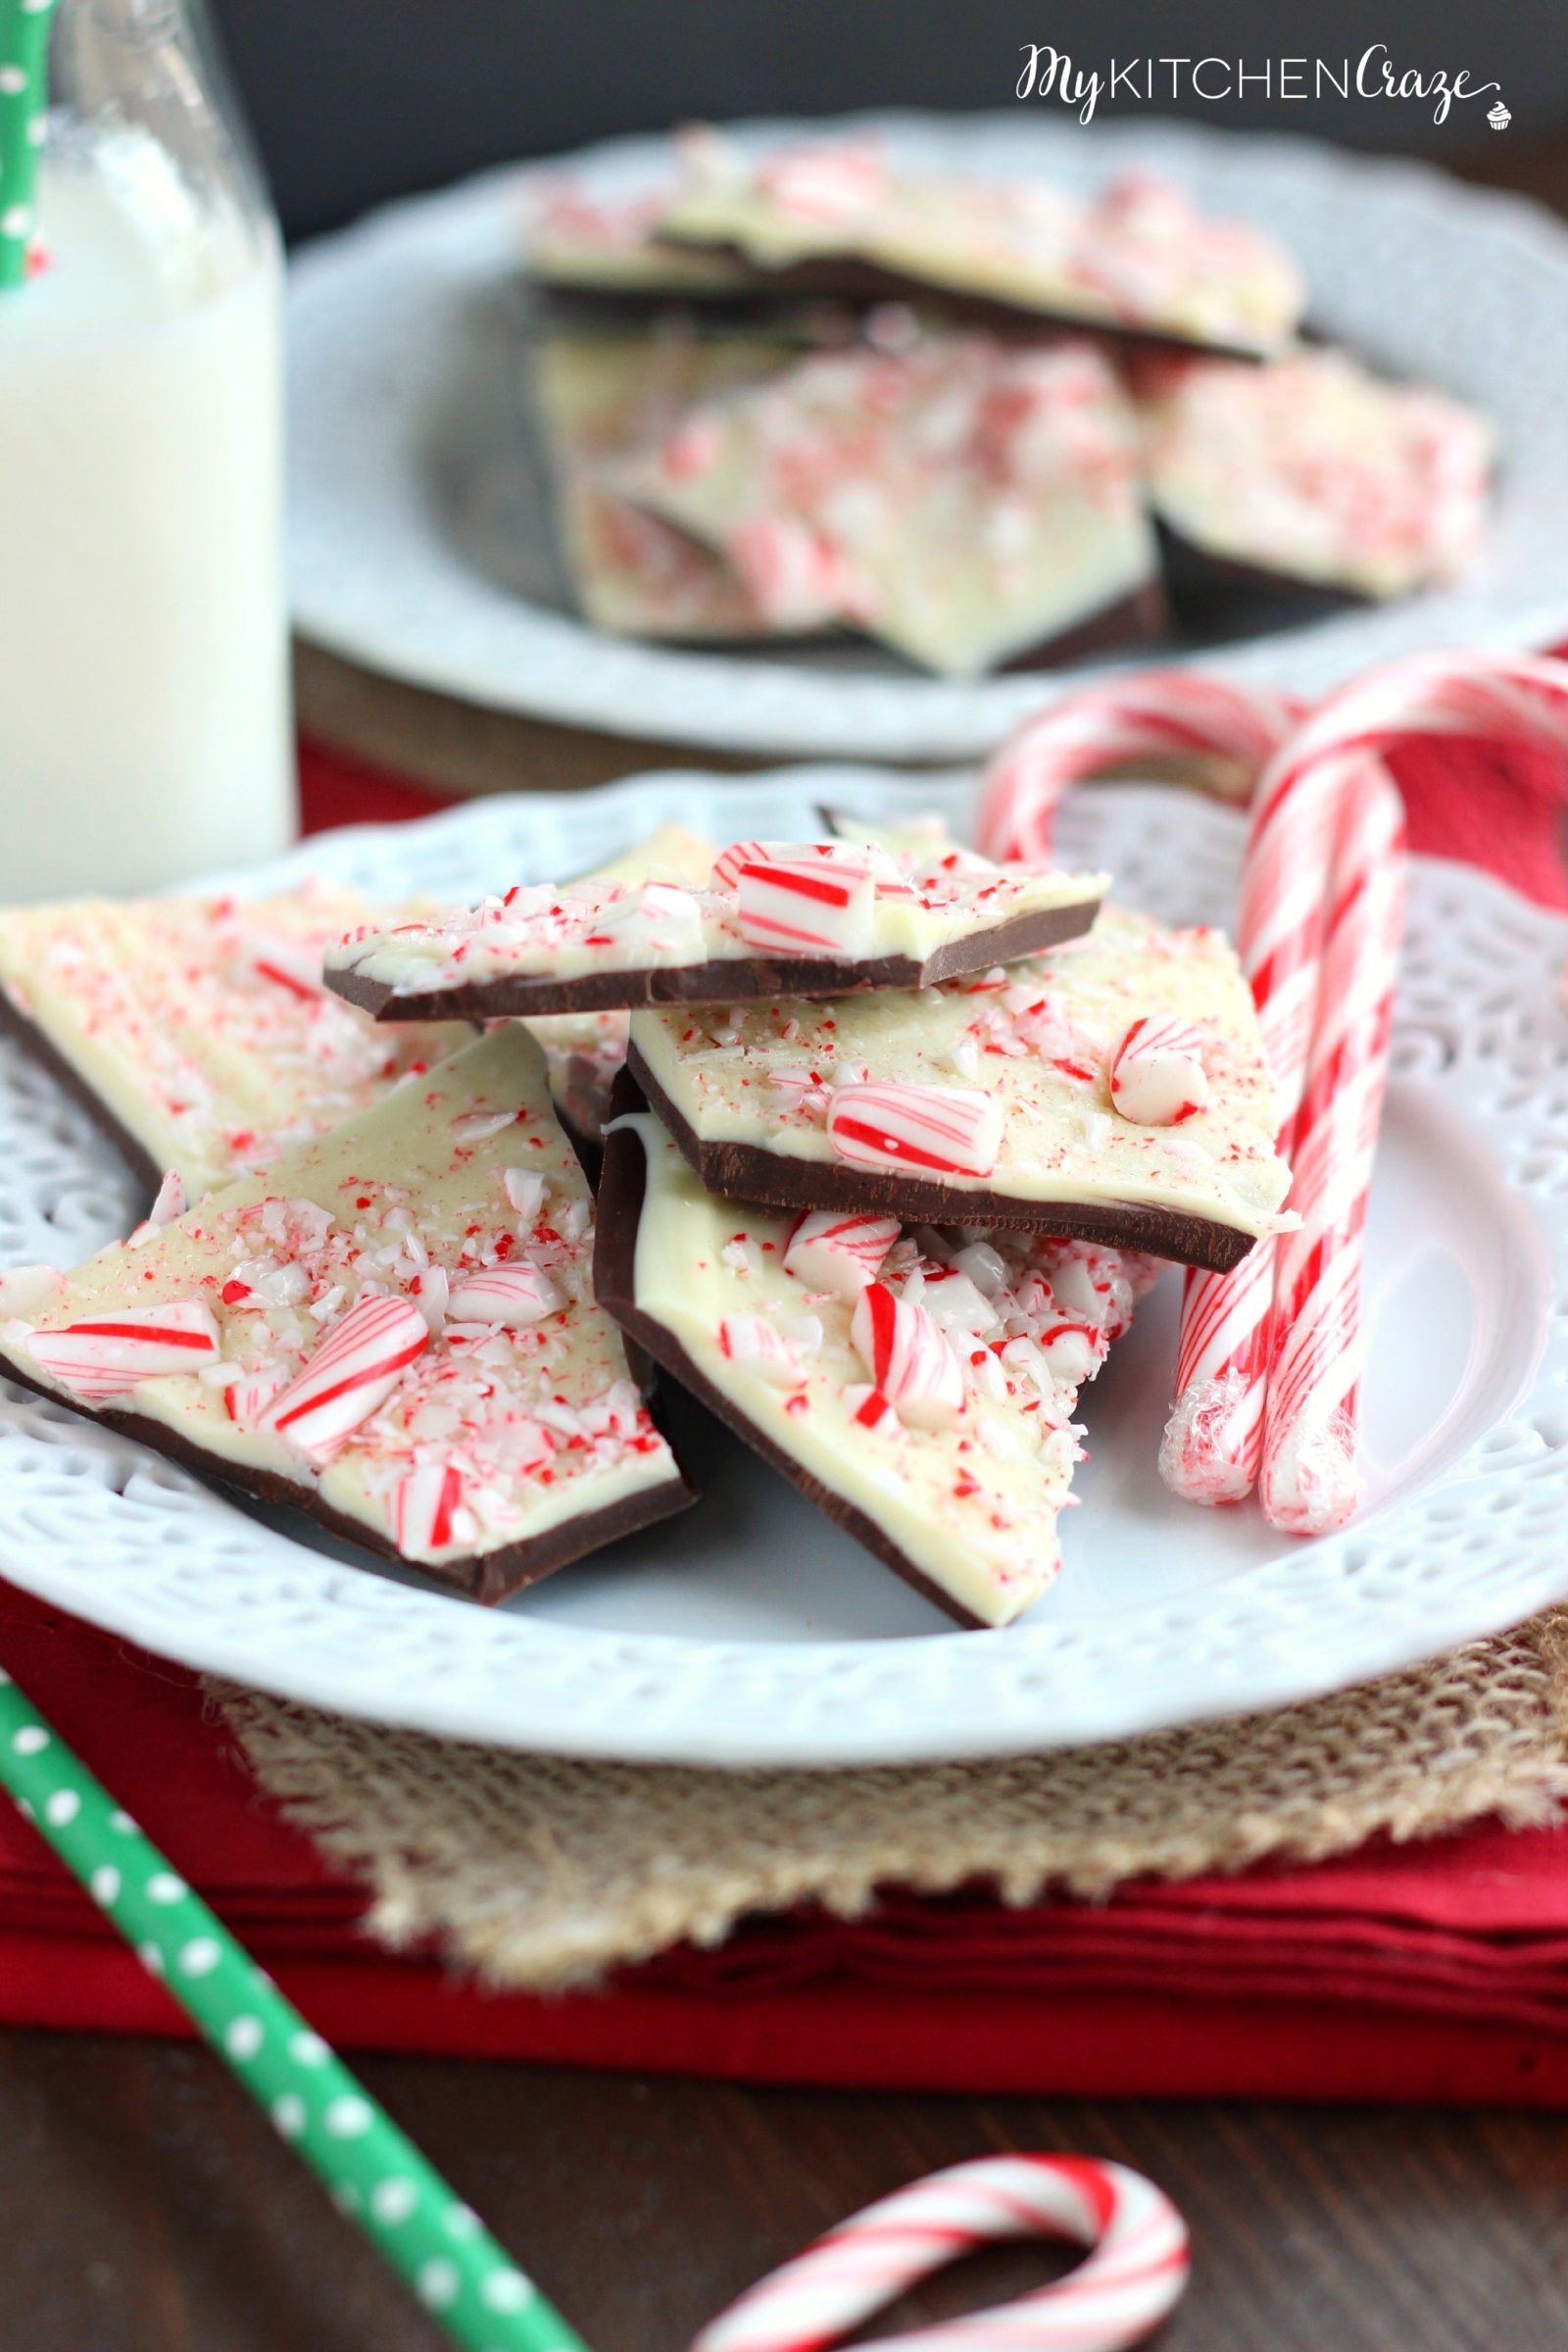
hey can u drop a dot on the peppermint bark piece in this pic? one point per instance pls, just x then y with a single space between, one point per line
393 1329
966 502
994 1100
581 243
1139 258
1311 473
198 1031
812 917
919 1387
583 1051
607 400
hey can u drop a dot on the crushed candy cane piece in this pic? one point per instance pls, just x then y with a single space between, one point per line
831 1252
807 904
355 1369
749 1340
107 1356
1157 1077
504 1295
424 1506
952 1130
907 1357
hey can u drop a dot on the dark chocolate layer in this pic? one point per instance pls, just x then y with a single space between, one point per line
622 1191
1132 620
1208 590
846 277
487 1577
751 1172
731 981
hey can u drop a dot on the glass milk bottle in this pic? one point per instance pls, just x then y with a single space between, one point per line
144 712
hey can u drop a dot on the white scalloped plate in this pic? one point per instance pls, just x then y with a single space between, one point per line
418 534
750 1630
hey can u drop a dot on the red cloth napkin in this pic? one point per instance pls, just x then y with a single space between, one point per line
1437 1972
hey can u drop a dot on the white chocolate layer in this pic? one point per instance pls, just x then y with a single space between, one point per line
1313 469
202 1024
607 400
964 501
542 932
1037 1038
1140 255
459 1173
973 1505
583 1051
578 239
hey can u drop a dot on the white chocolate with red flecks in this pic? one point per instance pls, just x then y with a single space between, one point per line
202 1024
606 401
999 1082
1314 470
398 1319
574 237
1138 255
583 1051
964 500
937 1395
771 900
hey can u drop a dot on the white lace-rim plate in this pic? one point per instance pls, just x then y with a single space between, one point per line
751 1631
419 539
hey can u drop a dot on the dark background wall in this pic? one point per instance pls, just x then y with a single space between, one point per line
358 100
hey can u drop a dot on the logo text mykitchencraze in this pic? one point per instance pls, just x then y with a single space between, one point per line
1050 73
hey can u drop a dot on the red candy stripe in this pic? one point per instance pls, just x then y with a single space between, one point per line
1155 721
829 1251
798 908
954 1131
1157 1077
107 1356
1133 2276
354 1370
508 1295
908 1356
423 1507
727 865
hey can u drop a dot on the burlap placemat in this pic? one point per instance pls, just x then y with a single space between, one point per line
539 1871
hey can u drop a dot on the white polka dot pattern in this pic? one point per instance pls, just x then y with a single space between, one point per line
376 2177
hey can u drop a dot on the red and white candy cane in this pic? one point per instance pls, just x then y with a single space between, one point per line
1240 1341
1131 2280
1213 1442
1308 1484
1155 719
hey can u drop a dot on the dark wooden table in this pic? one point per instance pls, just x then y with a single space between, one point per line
145 2207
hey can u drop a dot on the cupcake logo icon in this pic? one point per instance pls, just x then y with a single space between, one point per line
1498 116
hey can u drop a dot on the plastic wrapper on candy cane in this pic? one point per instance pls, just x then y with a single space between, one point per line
1134 2275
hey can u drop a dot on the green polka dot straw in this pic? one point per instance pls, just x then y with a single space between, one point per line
376 2177
23 105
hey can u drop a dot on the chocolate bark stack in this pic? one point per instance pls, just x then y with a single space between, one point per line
897 1138
986 424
